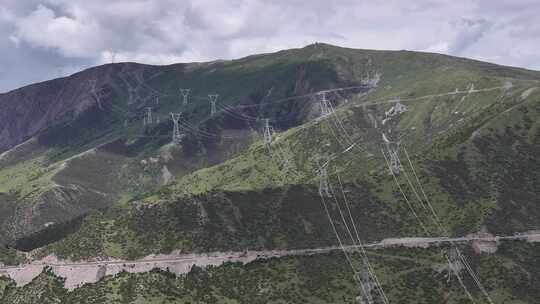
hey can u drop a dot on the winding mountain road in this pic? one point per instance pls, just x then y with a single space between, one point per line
77 273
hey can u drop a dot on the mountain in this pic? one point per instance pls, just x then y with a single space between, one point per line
84 174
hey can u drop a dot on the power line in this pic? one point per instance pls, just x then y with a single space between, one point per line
437 221
328 106
411 208
365 259
347 257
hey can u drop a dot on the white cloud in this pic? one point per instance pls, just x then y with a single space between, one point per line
16 41
439 47
72 37
169 31
468 32
6 15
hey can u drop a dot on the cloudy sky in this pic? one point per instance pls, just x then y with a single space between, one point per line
42 39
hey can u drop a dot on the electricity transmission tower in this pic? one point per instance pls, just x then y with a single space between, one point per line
184 93
363 278
113 56
148 116
177 135
392 148
324 189
454 264
213 100
268 131
325 105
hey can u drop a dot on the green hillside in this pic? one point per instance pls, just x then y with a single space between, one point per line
100 183
453 140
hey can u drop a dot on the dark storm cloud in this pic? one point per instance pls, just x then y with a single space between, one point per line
39 36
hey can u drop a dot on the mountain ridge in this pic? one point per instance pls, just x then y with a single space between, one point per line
310 50
87 174
131 159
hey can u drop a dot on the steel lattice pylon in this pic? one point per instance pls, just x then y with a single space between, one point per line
176 135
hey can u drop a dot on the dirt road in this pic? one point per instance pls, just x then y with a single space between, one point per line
78 273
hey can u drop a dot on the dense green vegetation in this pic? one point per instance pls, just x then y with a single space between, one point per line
407 276
10 256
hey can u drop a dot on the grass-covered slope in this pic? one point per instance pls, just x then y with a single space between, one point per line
222 188
269 198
